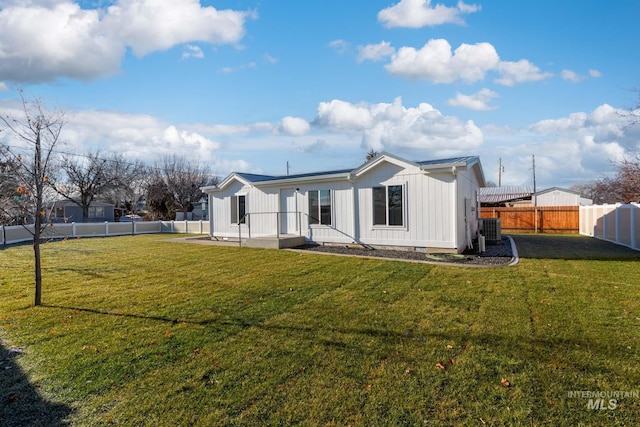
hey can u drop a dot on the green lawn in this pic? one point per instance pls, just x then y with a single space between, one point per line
142 331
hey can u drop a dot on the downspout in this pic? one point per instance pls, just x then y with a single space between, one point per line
210 209
356 222
455 207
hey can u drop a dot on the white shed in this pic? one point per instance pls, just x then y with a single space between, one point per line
557 196
386 202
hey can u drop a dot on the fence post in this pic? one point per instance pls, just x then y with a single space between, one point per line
632 219
106 228
186 226
4 236
74 231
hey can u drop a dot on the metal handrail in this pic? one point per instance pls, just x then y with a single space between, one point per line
247 221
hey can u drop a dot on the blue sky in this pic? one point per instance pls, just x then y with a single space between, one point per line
250 85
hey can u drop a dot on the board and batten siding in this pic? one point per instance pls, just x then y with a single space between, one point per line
342 229
428 216
558 198
257 200
467 205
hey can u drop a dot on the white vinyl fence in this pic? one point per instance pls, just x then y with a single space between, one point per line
17 234
615 223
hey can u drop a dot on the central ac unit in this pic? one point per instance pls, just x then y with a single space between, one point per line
491 229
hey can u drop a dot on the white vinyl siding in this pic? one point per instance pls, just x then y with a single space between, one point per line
427 208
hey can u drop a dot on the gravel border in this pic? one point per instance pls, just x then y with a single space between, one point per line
496 255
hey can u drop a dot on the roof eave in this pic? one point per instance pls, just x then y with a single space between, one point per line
304 179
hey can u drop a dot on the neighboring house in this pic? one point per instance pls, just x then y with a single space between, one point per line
67 211
388 201
556 196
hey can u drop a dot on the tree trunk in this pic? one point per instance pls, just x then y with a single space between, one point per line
37 228
38 269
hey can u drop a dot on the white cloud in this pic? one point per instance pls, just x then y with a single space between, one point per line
192 51
294 126
4 87
571 76
435 62
270 59
375 52
342 115
228 70
520 72
314 147
149 25
340 46
394 127
592 140
73 44
90 43
420 13
595 73
478 101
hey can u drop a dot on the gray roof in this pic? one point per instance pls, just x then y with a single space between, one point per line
263 178
453 160
426 165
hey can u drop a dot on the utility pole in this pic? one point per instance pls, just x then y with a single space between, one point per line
287 167
535 197
500 170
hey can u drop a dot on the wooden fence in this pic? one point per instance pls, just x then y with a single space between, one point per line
541 219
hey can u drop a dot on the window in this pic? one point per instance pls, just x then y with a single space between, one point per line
320 207
238 209
96 212
388 205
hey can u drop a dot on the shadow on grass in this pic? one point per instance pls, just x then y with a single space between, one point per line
574 247
20 402
541 348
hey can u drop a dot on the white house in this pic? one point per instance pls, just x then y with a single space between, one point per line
386 202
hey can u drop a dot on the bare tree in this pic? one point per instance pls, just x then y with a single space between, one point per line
128 182
10 197
159 201
624 186
37 131
86 177
183 180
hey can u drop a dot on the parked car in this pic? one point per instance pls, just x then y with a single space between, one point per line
130 218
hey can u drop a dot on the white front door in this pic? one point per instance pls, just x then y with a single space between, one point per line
289 217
